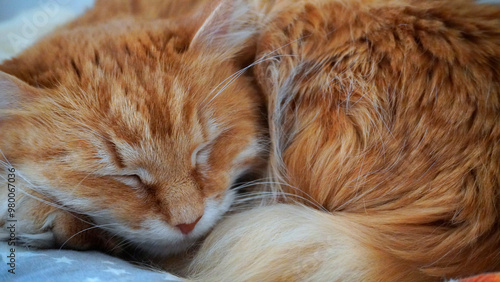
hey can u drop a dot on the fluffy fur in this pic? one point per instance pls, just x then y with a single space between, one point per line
122 130
386 114
382 113
295 243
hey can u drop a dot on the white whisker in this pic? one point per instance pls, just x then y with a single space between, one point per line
84 230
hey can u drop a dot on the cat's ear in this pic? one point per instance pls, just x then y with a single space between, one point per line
14 92
228 28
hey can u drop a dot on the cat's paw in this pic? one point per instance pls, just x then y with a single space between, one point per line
44 240
40 225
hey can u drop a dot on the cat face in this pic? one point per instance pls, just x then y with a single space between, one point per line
146 146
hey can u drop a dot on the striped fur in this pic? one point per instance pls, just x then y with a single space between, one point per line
117 140
383 114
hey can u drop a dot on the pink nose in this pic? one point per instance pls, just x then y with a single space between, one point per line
186 228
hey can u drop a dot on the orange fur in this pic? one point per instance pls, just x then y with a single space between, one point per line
388 113
106 123
384 113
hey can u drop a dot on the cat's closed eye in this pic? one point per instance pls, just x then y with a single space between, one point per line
200 154
132 180
158 147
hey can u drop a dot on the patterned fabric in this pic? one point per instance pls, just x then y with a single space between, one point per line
66 265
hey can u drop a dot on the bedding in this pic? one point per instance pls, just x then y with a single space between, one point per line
66 265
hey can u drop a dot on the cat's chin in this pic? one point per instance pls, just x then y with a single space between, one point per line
164 249
157 238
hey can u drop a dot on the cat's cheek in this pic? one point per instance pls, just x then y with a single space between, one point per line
215 208
248 159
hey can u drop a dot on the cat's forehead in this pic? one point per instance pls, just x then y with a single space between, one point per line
143 86
166 109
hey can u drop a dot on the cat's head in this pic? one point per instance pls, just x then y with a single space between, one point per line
147 150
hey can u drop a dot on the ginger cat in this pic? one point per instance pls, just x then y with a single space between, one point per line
387 115
383 113
125 132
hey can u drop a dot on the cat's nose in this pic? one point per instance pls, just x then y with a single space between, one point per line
186 228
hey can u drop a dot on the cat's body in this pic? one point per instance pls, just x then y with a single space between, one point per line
384 113
394 109
387 114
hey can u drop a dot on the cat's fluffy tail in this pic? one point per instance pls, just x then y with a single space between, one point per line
289 243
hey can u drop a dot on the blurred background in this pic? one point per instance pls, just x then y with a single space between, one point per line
22 22
10 8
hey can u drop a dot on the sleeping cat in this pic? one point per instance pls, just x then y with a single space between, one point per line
382 113
126 132
387 115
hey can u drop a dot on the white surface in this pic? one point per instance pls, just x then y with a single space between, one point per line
22 22
11 8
